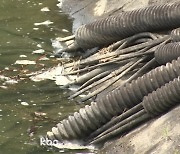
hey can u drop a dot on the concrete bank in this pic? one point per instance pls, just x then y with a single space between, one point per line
157 136
86 11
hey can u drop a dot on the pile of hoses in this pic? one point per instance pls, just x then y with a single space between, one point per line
139 99
153 105
82 124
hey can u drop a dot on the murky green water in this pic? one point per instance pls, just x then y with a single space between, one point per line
29 109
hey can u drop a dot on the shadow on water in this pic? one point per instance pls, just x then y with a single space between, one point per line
29 109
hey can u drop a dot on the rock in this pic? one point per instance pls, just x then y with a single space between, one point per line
159 136
85 11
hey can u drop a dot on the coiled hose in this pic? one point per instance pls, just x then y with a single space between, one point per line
90 118
114 28
162 99
117 101
155 104
175 35
167 53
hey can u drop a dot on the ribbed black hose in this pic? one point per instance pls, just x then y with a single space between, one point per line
123 98
162 99
114 28
155 104
167 53
175 35
114 103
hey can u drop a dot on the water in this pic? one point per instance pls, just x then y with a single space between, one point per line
28 109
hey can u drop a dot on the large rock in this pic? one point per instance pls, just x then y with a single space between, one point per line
160 136
86 11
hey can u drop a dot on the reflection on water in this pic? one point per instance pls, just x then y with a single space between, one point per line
29 109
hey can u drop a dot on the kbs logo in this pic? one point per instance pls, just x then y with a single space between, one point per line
46 142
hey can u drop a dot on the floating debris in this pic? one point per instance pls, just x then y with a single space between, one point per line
35 28
39 45
3 87
39 51
25 62
65 30
38 114
24 103
47 22
43 58
11 81
45 9
6 68
7 80
73 146
4 78
54 74
59 4
56 45
22 56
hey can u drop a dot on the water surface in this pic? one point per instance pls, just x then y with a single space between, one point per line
28 109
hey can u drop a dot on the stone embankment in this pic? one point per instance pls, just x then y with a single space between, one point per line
160 136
